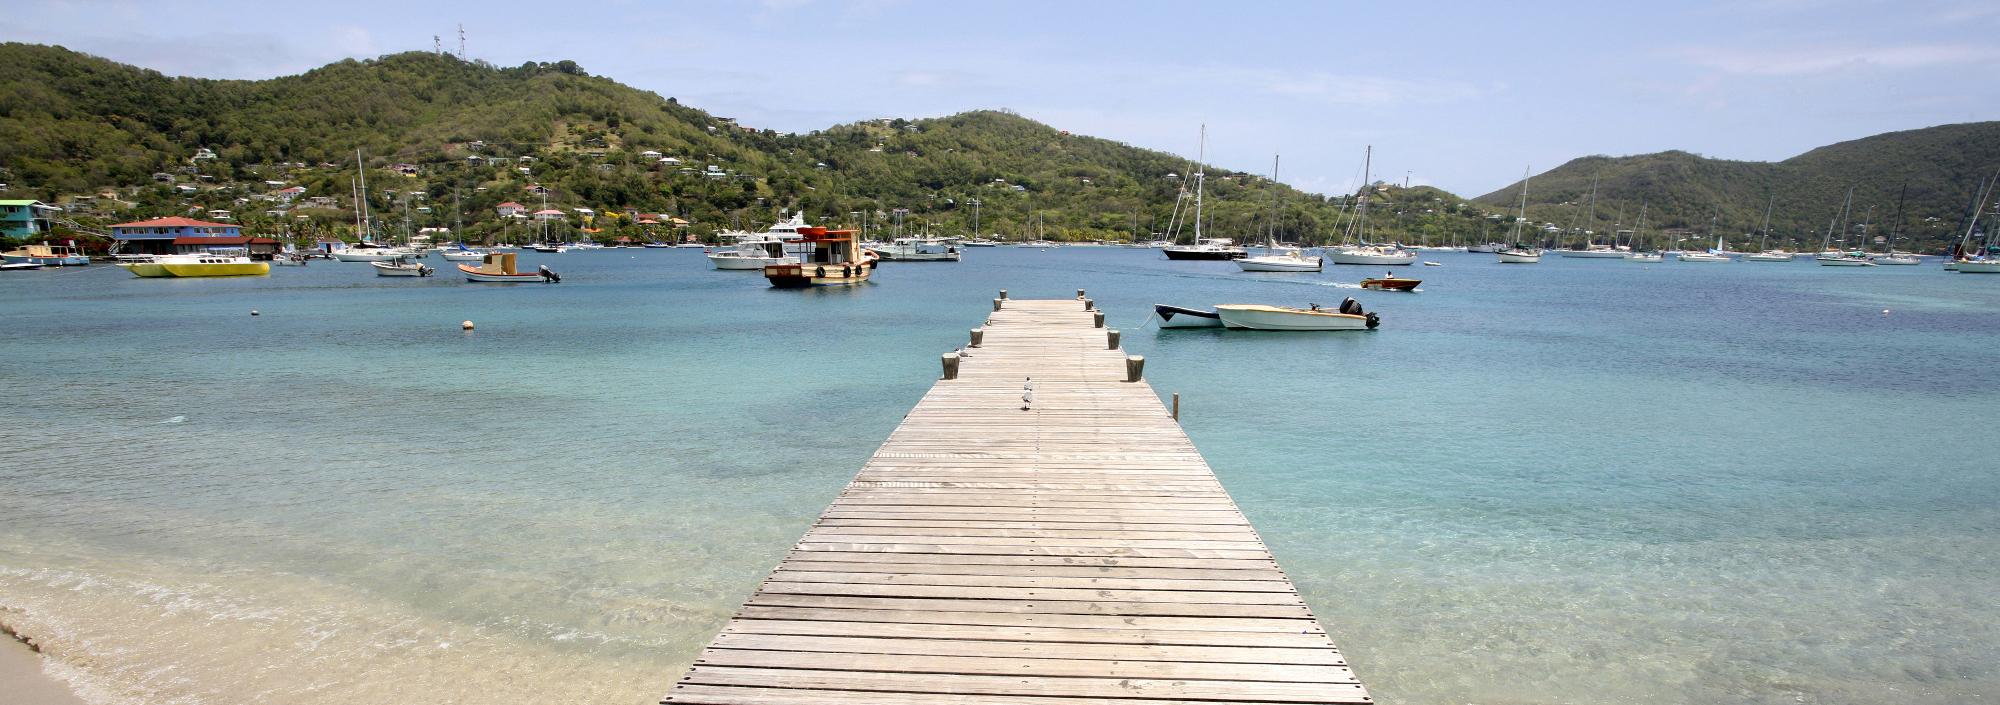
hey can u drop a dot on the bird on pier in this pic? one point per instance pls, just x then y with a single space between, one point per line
1027 393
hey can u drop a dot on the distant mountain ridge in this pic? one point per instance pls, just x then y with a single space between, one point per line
1940 165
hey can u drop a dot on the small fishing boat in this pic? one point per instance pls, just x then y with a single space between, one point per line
1177 317
1429 263
46 254
401 268
1389 282
831 258
198 265
1262 317
500 268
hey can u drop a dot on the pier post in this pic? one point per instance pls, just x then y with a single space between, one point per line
1177 406
1111 336
977 335
1135 368
1097 319
951 365
1079 293
1089 304
1003 293
996 304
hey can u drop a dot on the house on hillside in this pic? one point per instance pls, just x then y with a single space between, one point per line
25 219
650 154
669 161
585 212
509 209
539 190
548 214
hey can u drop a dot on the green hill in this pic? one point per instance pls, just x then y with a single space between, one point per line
1941 167
73 127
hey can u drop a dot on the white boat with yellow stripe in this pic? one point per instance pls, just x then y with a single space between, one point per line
198 265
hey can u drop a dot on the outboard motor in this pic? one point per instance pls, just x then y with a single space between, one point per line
1373 320
549 276
1351 307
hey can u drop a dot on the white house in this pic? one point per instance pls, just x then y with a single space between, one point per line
585 212
548 214
509 209
670 161
650 154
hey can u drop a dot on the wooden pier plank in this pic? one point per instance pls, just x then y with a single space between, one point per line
1077 552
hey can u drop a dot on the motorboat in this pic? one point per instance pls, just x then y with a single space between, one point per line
1177 317
1769 256
499 267
1647 257
1350 316
208 264
919 249
549 249
1897 258
1389 282
1219 248
754 251
1488 248
829 258
1596 252
19 267
1704 257
981 242
288 260
463 255
401 268
1281 261
47 255
1429 263
1520 255
1372 254
657 246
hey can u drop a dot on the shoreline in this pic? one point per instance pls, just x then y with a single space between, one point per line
24 680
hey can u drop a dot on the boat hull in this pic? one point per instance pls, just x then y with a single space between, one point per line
793 276
475 275
231 269
1391 284
1844 262
1701 257
1177 317
1518 257
392 270
1250 317
463 256
1280 264
48 260
1370 258
1767 257
1972 267
366 256
1902 261
726 261
1202 254
1591 254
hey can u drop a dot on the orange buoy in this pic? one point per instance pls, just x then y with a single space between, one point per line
466 325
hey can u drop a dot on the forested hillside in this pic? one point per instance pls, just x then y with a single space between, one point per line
135 143
1941 166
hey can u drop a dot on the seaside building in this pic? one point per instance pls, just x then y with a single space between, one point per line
25 219
167 236
509 209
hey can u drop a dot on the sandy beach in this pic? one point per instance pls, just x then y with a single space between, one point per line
22 681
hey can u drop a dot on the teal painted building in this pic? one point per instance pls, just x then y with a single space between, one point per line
25 220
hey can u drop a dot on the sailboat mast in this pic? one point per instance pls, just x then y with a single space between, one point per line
1361 198
361 167
1271 229
1764 237
1590 223
1514 234
1898 227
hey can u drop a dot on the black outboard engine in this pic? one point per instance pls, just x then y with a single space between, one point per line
550 277
1350 307
1373 320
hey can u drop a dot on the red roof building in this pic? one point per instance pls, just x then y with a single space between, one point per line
162 236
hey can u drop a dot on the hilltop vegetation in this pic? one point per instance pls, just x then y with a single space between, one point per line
76 128
1940 165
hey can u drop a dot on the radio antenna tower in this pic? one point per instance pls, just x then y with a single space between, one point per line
461 42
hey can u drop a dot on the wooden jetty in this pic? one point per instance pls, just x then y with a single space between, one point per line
1075 552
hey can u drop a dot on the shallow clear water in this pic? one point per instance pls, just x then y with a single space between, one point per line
1581 481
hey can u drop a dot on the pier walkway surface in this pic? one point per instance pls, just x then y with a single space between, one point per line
1078 552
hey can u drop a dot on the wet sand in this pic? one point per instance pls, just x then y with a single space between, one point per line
22 681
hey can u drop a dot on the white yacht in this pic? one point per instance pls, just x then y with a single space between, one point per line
753 251
365 252
1290 260
1769 256
1597 252
1372 254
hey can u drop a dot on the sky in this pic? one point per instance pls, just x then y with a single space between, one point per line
1464 96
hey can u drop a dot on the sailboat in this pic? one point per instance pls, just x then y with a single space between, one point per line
1764 254
1203 248
1517 253
1719 254
1638 255
1288 260
1591 250
1840 258
1890 256
1357 231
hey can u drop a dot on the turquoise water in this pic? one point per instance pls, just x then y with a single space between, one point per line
1582 481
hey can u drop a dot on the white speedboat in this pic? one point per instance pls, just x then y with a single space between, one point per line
1177 317
1285 261
1704 257
1645 257
463 255
919 249
1519 255
1372 254
1261 317
1769 256
753 252
401 268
